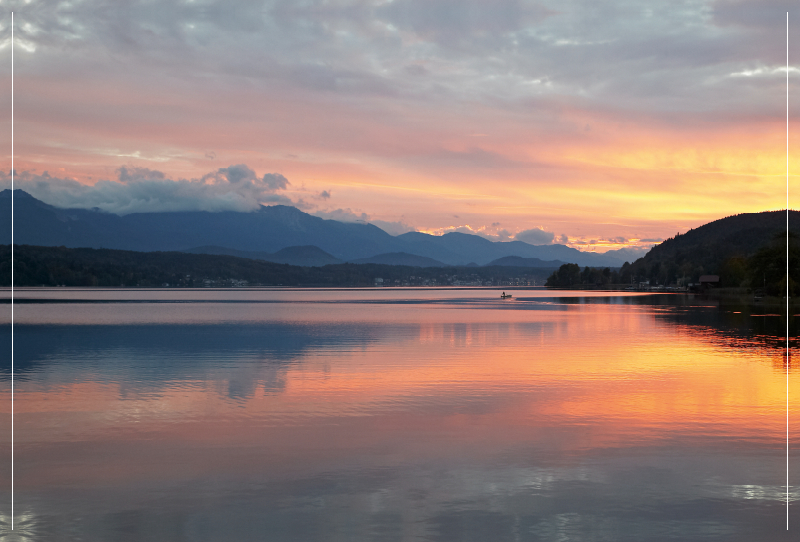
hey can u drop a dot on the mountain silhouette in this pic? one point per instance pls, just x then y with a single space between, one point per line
263 232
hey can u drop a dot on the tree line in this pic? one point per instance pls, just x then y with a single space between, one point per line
57 266
765 269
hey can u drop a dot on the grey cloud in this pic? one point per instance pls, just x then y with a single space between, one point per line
758 14
241 174
654 58
546 64
126 174
235 174
563 239
275 181
535 236
416 70
460 20
325 194
342 215
142 190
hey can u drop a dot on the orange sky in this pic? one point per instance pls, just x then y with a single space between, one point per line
618 127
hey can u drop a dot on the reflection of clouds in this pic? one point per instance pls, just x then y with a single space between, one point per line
442 429
764 493
147 358
26 526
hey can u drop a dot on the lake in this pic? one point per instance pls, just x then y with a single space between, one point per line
395 414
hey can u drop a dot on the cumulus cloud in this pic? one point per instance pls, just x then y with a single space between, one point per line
324 194
241 175
143 190
535 236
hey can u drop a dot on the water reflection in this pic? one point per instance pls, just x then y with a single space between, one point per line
442 419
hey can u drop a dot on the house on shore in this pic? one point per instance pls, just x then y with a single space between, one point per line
709 281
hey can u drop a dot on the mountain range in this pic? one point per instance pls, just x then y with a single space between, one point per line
276 233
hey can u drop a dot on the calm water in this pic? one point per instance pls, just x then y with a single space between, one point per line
349 415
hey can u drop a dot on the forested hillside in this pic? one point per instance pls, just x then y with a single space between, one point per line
56 266
724 247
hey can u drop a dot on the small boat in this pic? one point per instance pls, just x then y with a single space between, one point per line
505 295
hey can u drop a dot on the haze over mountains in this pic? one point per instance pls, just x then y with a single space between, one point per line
276 233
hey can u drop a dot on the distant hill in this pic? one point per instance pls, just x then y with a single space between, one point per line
714 247
269 229
224 251
55 266
401 258
306 256
457 248
517 261
629 255
266 231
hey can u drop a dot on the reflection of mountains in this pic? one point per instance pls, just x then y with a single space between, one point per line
144 358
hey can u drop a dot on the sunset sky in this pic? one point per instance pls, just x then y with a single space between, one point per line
596 124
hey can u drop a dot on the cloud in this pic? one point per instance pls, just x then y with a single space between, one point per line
244 176
325 194
132 174
503 235
143 190
342 215
348 215
535 236
393 228
458 21
366 91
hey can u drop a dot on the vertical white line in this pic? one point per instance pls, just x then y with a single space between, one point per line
12 270
787 270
